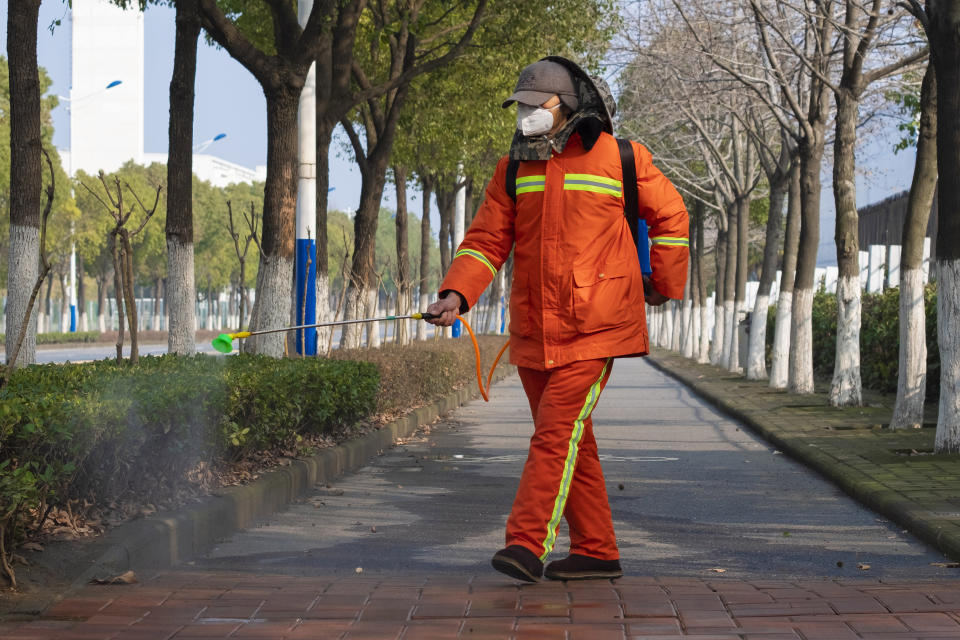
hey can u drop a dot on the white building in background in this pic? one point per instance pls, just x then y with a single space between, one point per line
106 125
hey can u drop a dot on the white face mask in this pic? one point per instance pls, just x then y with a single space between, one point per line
534 121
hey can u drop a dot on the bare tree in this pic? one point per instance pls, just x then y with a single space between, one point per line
122 252
776 165
864 28
780 360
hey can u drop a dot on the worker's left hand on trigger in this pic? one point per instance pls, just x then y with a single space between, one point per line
445 309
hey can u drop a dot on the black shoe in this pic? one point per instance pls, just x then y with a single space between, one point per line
518 562
578 567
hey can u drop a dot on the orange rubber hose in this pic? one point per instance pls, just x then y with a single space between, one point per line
485 392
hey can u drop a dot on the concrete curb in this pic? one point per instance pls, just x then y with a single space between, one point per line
881 498
169 538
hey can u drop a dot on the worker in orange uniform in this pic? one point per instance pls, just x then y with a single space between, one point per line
577 300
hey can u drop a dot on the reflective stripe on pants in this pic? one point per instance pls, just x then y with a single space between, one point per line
562 475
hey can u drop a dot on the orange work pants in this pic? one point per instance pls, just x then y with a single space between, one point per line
562 475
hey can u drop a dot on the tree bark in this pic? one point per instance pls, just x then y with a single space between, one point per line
740 289
730 285
181 337
912 369
704 347
25 173
720 258
756 358
780 361
403 255
427 190
801 330
364 252
381 133
944 34
845 389
324 138
446 200
274 299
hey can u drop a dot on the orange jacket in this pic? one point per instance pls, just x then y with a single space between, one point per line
577 288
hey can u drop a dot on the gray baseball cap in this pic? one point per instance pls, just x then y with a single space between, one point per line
541 80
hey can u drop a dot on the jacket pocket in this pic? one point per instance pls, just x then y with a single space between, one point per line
602 295
520 301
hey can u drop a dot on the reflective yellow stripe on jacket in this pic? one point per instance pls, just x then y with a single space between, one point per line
588 182
526 184
671 241
479 256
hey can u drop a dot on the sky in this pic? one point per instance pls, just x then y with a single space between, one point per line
229 100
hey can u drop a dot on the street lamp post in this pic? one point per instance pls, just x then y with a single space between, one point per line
202 146
305 290
72 101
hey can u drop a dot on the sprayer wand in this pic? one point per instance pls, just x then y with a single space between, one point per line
224 342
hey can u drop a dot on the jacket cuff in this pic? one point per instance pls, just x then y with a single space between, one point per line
463 301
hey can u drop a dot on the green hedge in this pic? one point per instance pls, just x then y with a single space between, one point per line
879 338
64 338
100 432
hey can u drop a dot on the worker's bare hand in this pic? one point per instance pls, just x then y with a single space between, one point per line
446 309
651 296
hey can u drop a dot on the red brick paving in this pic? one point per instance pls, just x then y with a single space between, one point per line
189 605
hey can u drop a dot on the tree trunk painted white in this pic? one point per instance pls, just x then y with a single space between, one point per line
22 276
703 349
948 335
729 332
181 294
323 312
373 310
272 310
666 325
739 312
689 337
845 389
677 329
422 326
351 335
912 374
716 346
780 361
757 354
800 377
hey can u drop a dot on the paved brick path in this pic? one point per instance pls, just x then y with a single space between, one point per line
193 605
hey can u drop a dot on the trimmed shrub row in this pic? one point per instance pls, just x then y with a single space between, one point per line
879 338
102 432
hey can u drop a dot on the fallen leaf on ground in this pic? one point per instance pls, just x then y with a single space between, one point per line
717 570
124 578
863 566
31 546
373 529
